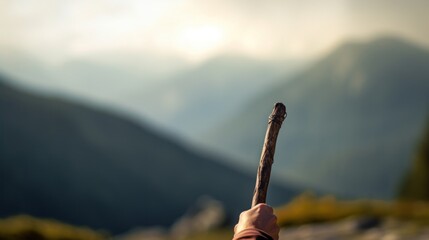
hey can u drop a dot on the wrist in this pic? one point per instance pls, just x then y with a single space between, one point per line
252 232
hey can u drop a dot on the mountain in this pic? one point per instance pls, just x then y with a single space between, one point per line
204 95
187 99
76 78
85 166
354 118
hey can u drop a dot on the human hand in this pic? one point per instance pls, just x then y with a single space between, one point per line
259 217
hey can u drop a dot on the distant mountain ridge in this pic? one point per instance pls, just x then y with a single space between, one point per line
354 118
89 167
167 92
204 95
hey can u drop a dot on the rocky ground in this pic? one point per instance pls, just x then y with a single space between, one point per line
358 229
206 222
348 229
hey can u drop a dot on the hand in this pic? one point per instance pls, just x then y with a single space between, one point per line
260 217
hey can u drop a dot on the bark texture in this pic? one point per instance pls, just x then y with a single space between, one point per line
267 156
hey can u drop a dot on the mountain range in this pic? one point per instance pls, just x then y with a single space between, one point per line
85 166
184 99
197 99
354 119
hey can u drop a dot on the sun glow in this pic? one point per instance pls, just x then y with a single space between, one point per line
57 30
198 42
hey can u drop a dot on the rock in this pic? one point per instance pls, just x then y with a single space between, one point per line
207 214
358 229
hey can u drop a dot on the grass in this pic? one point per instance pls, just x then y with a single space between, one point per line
23 227
307 208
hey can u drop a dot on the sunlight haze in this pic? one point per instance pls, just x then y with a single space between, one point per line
198 30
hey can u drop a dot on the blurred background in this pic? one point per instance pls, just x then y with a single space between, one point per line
145 119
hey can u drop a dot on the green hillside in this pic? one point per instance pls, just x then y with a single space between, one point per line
89 167
354 118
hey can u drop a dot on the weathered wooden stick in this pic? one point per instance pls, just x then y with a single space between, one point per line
267 156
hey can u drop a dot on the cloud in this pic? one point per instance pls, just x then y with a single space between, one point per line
406 18
196 30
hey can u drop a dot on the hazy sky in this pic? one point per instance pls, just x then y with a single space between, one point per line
196 30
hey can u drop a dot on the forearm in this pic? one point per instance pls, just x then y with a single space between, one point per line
252 234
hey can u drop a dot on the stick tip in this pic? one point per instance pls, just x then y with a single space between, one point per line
279 113
280 106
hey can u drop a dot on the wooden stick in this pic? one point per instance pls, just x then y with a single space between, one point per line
267 156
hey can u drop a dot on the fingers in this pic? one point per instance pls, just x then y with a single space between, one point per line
262 217
268 220
264 207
